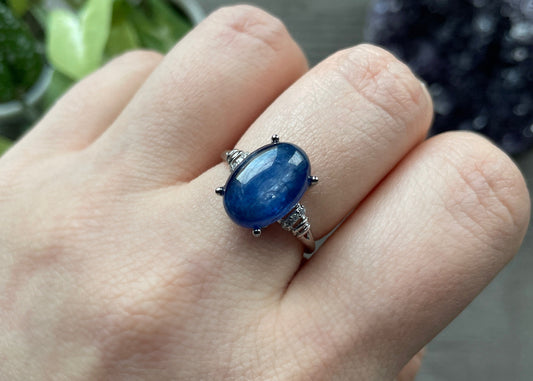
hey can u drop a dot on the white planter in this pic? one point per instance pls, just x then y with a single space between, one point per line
13 111
192 10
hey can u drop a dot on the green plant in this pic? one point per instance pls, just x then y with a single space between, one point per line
80 36
21 60
158 27
78 43
75 42
19 7
4 144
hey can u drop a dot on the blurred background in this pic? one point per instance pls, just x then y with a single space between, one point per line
475 55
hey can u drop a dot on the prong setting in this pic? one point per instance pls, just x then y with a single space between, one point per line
284 207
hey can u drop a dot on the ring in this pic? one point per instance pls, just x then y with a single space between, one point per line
266 185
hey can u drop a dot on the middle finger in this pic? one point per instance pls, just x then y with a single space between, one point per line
202 97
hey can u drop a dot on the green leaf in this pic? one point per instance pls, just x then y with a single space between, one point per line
5 144
158 25
7 90
19 7
20 59
123 36
75 43
166 16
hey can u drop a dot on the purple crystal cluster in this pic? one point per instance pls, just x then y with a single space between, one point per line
476 57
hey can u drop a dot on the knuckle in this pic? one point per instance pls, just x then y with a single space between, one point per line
254 24
387 83
487 192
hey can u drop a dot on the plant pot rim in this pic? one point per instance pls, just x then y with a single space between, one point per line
13 108
192 9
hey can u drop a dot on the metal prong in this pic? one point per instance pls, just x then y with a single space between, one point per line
312 180
220 191
275 139
256 233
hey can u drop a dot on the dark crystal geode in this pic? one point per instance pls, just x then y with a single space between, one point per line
476 57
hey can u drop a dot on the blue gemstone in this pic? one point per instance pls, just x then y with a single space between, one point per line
267 185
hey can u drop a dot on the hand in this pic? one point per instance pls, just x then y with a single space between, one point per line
118 261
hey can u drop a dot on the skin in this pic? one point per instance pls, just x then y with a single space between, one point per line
119 263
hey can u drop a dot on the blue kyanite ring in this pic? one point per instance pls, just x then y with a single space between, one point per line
266 186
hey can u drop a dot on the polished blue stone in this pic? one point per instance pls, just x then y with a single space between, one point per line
267 185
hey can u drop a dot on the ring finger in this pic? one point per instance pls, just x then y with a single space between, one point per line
356 115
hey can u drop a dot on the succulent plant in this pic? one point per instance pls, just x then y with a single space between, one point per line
21 60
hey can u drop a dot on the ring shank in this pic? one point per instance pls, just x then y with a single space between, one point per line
308 241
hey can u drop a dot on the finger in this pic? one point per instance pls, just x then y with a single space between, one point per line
410 370
205 93
418 250
356 115
90 107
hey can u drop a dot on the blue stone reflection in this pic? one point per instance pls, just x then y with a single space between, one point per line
267 185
